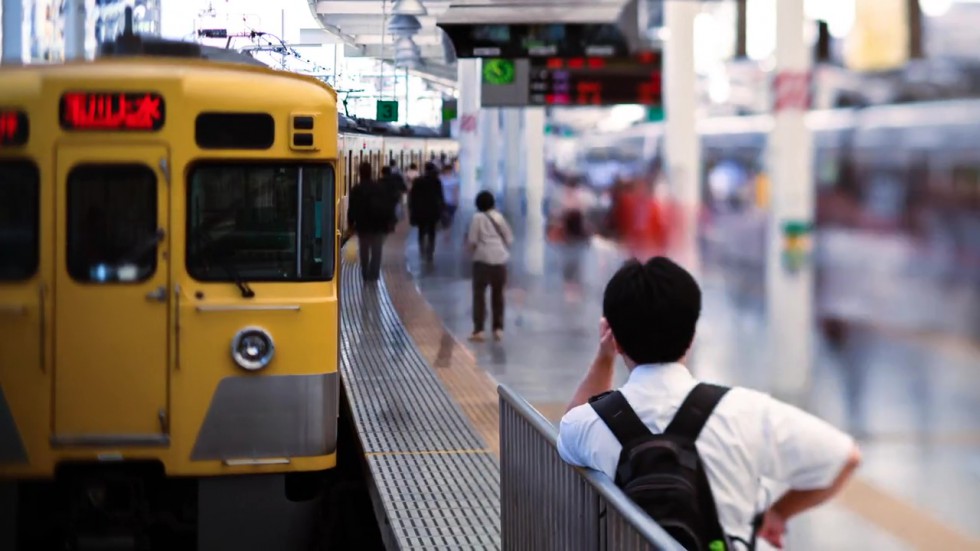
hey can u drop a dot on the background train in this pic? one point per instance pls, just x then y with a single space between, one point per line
897 210
379 144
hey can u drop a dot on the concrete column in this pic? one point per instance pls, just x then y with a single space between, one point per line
789 289
683 149
75 16
14 49
513 192
491 150
534 171
470 153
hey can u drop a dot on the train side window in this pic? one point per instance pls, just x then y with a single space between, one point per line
350 172
112 223
19 191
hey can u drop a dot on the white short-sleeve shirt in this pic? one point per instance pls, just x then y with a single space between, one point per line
748 437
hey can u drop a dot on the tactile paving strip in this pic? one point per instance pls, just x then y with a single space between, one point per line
437 480
455 365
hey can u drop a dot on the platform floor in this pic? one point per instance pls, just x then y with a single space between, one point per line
912 400
434 473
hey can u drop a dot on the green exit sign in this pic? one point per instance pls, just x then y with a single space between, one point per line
387 111
655 113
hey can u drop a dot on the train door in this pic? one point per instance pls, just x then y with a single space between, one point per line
23 295
111 304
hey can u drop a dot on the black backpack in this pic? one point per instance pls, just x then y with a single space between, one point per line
663 473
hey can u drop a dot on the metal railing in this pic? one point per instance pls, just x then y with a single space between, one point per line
546 503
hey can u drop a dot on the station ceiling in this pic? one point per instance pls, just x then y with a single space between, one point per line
360 25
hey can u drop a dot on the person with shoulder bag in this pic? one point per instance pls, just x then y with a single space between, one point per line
489 239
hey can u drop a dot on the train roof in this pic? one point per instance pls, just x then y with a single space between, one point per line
200 78
354 125
149 56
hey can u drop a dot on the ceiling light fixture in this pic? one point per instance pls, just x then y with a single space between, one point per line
404 25
408 7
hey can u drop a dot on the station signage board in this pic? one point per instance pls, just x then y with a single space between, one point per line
597 81
387 111
510 41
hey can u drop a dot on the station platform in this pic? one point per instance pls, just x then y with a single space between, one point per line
912 401
424 414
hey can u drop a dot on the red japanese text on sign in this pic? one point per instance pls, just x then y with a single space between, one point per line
13 128
8 126
112 111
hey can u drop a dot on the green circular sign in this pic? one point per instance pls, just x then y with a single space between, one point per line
498 71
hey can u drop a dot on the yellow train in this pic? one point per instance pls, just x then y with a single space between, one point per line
169 285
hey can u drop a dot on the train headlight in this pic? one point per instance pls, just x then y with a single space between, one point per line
252 348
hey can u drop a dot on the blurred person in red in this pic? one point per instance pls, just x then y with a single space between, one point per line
621 211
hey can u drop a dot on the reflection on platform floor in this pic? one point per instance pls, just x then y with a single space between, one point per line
912 400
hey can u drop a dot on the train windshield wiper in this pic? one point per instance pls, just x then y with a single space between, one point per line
207 244
242 285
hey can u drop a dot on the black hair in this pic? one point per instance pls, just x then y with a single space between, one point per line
431 167
413 166
386 171
365 172
652 309
485 201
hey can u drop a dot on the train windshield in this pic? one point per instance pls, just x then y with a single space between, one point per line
260 222
18 220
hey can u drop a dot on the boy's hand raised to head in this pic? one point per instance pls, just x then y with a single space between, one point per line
607 343
599 377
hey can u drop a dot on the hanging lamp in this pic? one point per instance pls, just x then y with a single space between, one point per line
408 7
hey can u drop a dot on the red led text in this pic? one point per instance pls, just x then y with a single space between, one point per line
97 111
13 128
8 126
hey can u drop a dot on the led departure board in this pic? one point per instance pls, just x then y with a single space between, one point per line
597 81
14 129
112 111
545 40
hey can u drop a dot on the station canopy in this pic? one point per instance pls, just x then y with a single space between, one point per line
361 26
471 28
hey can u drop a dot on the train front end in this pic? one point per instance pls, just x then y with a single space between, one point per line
169 305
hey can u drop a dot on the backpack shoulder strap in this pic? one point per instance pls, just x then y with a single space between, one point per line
695 410
616 412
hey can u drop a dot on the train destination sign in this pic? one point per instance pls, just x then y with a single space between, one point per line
109 111
597 81
14 129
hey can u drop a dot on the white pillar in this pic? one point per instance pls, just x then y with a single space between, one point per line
491 149
789 291
470 154
683 147
14 49
514 173
75 16
534 170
